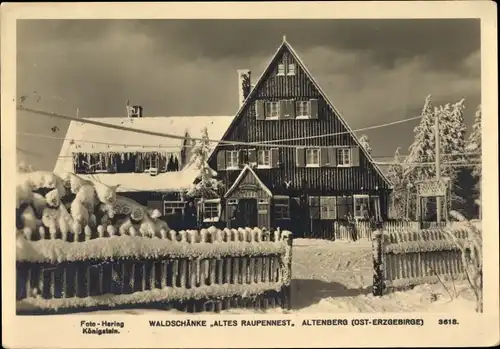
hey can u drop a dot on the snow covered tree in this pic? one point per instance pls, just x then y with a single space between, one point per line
397 176
473 146
423 148
23 167
365 143
206 185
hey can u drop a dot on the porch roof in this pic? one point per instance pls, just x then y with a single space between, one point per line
240 178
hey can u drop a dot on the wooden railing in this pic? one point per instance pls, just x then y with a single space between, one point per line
411 258
189 271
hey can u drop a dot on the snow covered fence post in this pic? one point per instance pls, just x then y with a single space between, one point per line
286 272
378 262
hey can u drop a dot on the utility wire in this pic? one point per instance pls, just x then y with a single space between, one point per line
166 135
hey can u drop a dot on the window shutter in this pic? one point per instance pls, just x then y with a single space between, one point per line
314 207
333 207
228 158
162 162
241 157
355 156
274 157
332 156
290 109
323 157
221 160
300 157
252 155
260 111
283 111
313 108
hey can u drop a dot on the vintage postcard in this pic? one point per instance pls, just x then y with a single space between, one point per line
222 175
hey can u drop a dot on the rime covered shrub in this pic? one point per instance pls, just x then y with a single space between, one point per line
55 206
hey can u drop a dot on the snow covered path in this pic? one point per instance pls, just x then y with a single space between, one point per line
336 277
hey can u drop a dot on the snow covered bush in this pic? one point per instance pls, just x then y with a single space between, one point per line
47 203
206 185
472 256
365 143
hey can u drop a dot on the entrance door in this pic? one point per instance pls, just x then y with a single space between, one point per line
248 213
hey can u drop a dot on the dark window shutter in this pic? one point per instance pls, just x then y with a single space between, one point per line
313 108
300 157
283 111
314 207
332 156
275 157
355 156
323 157
252 155
221 160
139 162
241 157
290 108
260 111
162 162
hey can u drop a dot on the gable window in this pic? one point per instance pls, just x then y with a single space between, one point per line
272 109
328 205
264 158
302 109
211 210
344 157
312 157
361 206
281 69
291 69
232 159
281 207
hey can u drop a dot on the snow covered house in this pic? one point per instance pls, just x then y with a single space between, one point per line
316 174
149 169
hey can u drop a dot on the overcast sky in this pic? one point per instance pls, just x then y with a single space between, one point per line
374 71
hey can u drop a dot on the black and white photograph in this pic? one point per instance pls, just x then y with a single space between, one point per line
249 167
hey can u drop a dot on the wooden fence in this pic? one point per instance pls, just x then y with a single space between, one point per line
410 258
342 230
191 271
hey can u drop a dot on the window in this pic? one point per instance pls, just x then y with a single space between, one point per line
282 207
232 159
173 207
281 69
263 206
302 109
344 157
291 69
312 157
328 207
272 109
361 206
211 210
264 158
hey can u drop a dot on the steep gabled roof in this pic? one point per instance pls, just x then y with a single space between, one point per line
261 79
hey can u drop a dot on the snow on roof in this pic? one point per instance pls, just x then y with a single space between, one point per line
131 182
128 141
240 178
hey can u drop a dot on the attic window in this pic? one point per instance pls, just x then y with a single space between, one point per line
291 69
281 69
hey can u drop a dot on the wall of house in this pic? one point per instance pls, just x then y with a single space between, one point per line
315 181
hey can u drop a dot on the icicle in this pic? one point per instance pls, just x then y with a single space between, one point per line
122 157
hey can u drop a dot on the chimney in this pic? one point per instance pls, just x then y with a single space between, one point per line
244 85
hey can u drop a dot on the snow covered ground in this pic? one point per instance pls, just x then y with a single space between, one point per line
331 277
